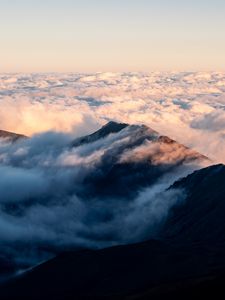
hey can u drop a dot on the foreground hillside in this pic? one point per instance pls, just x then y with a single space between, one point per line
187 260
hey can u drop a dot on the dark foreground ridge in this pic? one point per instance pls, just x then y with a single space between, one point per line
186 262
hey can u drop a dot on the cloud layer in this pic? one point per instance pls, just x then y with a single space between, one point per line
55 197
187 106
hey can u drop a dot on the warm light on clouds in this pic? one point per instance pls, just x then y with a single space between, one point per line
188 107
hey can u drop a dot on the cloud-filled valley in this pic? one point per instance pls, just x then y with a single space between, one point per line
61 191
109 188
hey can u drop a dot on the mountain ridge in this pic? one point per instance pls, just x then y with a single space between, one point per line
156 269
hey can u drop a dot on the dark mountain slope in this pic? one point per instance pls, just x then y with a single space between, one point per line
185 263
109 128
137 158
201 217
10 135
121 272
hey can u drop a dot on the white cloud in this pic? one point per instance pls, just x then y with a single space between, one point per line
180 105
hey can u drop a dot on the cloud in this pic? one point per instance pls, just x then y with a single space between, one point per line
214 121
182 105
56 197
27 117
159 153
71 195
12 184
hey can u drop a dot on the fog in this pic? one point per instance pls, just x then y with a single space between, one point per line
112 191
55 197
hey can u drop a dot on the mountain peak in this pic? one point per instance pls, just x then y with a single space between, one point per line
108 128
140 135
113 127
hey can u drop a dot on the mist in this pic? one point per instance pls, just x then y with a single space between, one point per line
55 197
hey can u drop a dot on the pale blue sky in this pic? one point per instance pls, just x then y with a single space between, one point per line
105 35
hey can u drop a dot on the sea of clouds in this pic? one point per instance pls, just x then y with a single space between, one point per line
187 106
45 207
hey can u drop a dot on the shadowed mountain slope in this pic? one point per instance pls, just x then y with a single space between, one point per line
201 216
109 128
187 261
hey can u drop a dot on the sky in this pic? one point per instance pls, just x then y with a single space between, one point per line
111 35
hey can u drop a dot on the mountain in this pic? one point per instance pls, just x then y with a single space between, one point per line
120 159
109 128
201 217
132 156
187 261
97 191
107 188
11 136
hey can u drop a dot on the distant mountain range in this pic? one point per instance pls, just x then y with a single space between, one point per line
186 260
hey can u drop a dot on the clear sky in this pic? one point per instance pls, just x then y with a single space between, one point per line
111 35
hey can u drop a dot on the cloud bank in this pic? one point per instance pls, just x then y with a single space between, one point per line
187 106
99 194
